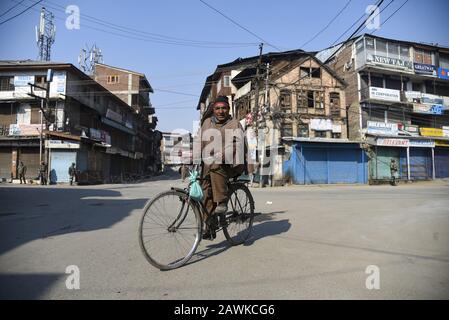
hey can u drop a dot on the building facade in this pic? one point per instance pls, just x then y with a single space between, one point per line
69 118
398 93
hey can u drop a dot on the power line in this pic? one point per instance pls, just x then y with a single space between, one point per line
327 26
239 25
22 12
1 15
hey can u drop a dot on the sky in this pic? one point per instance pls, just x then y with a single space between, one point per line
209 38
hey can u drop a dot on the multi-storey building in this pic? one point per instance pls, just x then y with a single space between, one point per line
398 92
79 121
302 114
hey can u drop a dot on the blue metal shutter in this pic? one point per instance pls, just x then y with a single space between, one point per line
442 162
316 170
343 165
420 164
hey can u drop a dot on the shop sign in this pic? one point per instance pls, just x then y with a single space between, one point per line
375 127
446 132
392 62
321 124
384 94
392 142
443 73
442 143
422 68
60 144
23 81
431 132
95 134
422 143
411 129
25 129
428 108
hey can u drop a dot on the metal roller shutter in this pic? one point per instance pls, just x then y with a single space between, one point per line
60 163
343 165
442 162
5 163
420 164
30 158
316 166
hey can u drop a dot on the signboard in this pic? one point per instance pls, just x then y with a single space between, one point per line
25 129
384 94
411 129
23 81
446 132
443 73
114 116
422 143
427 69
392 62
382 128
321 124
428 108
431 132
58 85
336 128
95 134
442 143
60 144
391 142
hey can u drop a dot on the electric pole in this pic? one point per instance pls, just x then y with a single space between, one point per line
256 109
45 34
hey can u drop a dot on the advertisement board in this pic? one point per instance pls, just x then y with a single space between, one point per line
375 127
384 94
431 132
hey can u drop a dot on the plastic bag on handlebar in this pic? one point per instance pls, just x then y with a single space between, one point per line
196 192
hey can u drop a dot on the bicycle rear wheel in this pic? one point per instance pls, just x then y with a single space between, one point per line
170 230
240 215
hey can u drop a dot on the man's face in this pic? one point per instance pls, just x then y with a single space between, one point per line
221 111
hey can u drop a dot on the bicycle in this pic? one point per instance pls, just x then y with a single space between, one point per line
177 218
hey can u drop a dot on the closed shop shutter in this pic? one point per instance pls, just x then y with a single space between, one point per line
60 163
328 165
420 164
30 158
442 162
380 164
5 163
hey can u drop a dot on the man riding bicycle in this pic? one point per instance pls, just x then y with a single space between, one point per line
225 163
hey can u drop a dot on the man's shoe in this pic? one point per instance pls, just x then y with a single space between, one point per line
222 208
209 235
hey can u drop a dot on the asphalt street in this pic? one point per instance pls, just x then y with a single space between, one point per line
308 242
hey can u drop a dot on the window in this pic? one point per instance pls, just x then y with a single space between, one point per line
40 81
336 135
320 134
316 73
285 101
405 53
416 86
335 104
306 72
391 83
287 130
393 50
6 84
301 102
226 81
310 99
423 56
381 47
377 82
444 61
303 130
134 99
319 100
113 79
369 46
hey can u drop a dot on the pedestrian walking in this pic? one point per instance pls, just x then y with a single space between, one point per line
22 169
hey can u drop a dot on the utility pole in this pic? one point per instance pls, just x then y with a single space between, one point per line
256 108
45 34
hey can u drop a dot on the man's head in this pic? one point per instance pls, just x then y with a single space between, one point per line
221 108
73 164
393 161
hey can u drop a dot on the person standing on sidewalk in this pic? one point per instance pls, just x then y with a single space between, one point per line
72 173
393 171
43 173
22 169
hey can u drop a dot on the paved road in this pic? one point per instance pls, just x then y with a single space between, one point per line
308 243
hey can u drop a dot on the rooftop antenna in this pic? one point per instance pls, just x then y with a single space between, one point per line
88 57
45 34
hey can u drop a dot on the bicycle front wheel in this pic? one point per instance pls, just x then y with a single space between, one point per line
239 218
170 230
